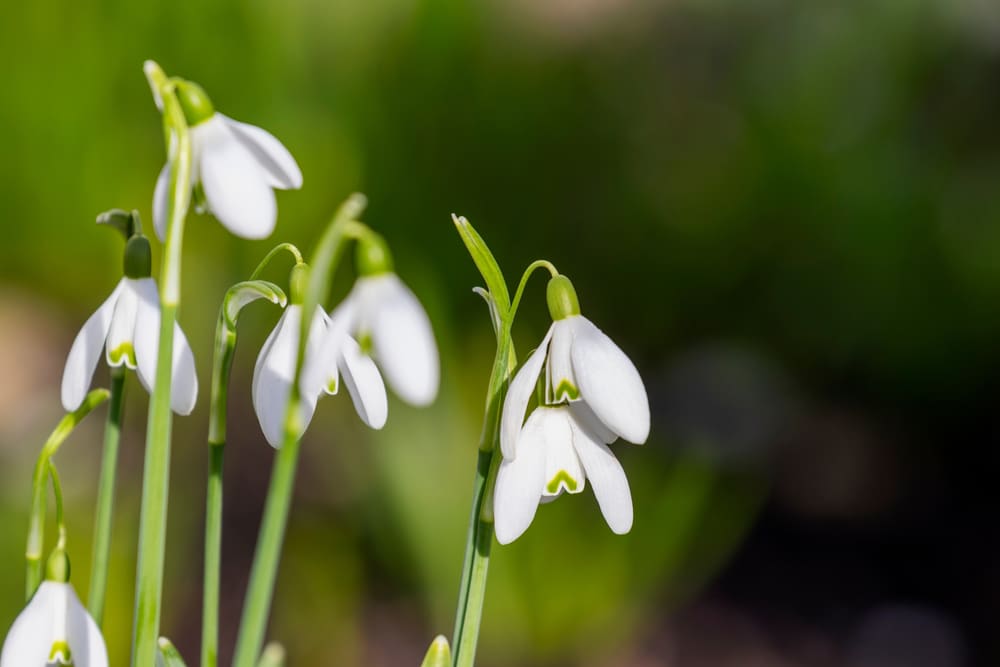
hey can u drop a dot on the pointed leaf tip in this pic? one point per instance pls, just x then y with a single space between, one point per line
439 654
273 656
167 655
485 262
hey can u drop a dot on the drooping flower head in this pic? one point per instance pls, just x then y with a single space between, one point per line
330 354
55 628
592 396
236 166
126 327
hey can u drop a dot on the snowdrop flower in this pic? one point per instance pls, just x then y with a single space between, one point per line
387 319
127 327
330 353
54 629
237 166
593 395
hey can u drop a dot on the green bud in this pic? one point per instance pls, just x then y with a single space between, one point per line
194 101
373 256
439 654
138 258
562 298
57 568
298 282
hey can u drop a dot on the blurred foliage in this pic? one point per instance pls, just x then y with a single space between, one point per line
816 181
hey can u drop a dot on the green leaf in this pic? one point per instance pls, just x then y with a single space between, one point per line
273 656
167 655
485 262
439 654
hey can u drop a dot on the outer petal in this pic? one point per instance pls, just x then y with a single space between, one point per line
607 478
518 395
272 375
184 383
364 383
520 481
403 342
609 382
279 165
31 637
85 640
86 350
160 198
235 185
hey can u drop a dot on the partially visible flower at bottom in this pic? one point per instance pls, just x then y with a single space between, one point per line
559 448
328 356
54 629
127 326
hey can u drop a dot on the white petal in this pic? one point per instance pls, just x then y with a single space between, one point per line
609 382
560 381
121 346
607 478
588 420
235 184
160 202
563 471
518 395
320 372
273 375
86 350
364 384
279 165
146 339
403 342
34 631
520 481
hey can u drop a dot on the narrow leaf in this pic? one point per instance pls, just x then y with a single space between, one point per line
167 655
485 262
439 654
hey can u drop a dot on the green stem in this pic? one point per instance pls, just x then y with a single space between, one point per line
263 574
479 539
225 346
57 494
156 470
36 524
106 497
260 592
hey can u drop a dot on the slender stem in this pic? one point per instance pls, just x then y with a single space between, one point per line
106 497
537 264
156 470
472 590
36 524
58 495
225 346
265 563
263 574
291 248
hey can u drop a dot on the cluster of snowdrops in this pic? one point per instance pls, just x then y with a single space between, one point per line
547 425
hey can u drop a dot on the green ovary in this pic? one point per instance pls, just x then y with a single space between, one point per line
562 477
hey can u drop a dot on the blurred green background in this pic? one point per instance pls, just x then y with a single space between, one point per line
787 213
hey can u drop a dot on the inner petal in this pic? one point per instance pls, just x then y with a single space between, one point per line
560 381
120 347
563 471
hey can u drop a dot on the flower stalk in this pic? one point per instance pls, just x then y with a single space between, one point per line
106 497
156 470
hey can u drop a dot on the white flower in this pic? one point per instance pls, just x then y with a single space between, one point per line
238 165
597 396
559 448
387 318
54 629
330 353
127 325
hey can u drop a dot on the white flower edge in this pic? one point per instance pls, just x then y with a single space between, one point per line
54 614
238 165
129 320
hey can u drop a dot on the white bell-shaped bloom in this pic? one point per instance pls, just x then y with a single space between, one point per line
54 629
559 449
385 315
127 326
581 364
327 358
238 166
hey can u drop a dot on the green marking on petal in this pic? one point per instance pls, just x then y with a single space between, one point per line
333 385
562 477
124 352
566 390
60 654
365 342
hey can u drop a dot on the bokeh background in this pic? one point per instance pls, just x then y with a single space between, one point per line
787 213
